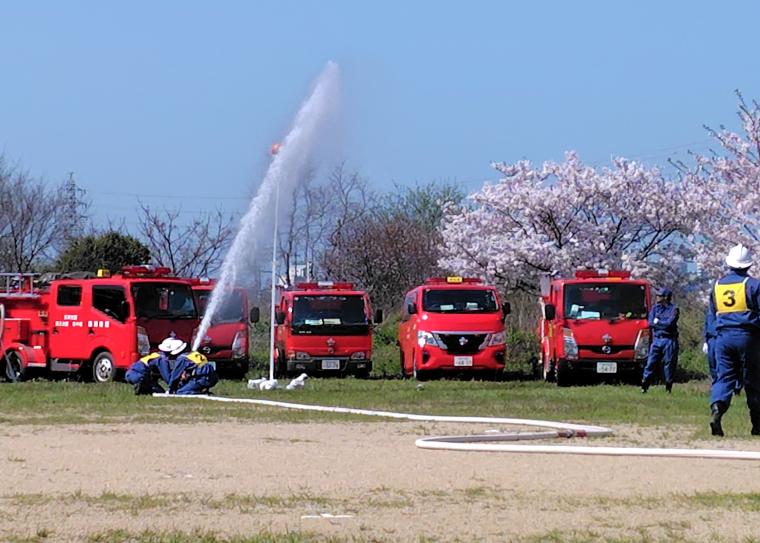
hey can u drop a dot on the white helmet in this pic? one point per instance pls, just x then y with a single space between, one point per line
172 345
739 257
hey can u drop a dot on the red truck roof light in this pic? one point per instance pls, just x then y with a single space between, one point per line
591 274
332 285
145 271
452 280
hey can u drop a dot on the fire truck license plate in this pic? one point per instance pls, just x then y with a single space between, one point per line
461 361
606 367
330 364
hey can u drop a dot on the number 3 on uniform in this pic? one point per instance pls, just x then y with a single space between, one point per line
730 298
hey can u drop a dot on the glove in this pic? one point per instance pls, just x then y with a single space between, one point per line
656 320
705 348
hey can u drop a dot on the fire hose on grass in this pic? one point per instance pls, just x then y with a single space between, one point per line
499 442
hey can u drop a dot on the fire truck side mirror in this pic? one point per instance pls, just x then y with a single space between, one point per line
255 315
411 308
550 312
506 309
279 317
378 316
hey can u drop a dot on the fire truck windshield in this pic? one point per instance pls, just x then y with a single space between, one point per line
459 301
605 301
232 309
156 300
329 314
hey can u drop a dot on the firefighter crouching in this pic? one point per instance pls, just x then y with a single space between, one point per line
735 302
189 373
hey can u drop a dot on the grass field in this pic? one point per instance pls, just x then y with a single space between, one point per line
46 402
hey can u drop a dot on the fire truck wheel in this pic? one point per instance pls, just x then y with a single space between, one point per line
103 368
13 370
280 366
564 374
548 372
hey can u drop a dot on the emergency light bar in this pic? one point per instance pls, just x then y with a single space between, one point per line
452 280
202 281
334 285
612 274
145 271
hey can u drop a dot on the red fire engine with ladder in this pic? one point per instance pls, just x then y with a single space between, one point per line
91 326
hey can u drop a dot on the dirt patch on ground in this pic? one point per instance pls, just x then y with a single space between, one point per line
70 483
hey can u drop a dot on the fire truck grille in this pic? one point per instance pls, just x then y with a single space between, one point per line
606 349
462 343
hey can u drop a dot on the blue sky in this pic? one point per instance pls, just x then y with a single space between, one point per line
179 101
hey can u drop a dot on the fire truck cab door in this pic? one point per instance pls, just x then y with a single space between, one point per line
67 315
108 325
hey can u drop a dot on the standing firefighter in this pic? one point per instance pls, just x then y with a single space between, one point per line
663 320
735 302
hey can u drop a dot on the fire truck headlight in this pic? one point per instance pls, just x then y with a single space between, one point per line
426 338
641 347
361 355
143 343
239 346
302 356
571 347
499 338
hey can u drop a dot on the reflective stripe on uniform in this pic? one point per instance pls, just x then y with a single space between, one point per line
731 297
147 358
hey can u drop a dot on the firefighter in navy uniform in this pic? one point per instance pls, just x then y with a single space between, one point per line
144 373
189 373
663 320
192 374
708 347
735 302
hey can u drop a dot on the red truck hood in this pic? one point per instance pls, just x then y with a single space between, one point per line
460 322
318 345
592 331
222 334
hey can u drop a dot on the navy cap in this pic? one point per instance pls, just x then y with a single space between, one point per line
664 291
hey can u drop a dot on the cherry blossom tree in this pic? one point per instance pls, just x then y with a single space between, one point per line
725 192
562 216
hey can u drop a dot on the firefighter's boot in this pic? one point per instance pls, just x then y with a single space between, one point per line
755 417
669 387
717 409
644 386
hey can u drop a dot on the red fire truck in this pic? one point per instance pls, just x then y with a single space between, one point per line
226 341
595 324
324 327
452 324
94 326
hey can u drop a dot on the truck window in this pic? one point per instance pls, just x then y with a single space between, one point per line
405 310
69 295
201 300
459 301
232 309
329 314
164 300
111 300
605 301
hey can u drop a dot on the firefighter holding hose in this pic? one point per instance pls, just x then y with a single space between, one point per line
735 303
189 373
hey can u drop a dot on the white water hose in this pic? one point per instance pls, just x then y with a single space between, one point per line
494 442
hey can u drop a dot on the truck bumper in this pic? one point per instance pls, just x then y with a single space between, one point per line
435 359
227 365
327 366
592 366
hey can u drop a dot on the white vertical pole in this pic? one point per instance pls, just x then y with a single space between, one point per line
274 281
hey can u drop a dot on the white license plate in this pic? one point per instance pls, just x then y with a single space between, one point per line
606 367
462 361
330 364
